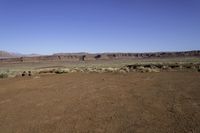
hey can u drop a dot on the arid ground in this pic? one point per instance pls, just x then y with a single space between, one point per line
165 102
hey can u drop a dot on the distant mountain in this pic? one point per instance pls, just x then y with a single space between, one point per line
79 53
31 55
5 54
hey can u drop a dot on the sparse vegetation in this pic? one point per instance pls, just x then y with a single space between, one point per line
3 75
59 71
117 79
146 67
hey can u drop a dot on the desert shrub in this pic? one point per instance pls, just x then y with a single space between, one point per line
124 69
24 74
43 71
59 71
165 67
147 65
188 66
173 66
132 66
3 75
140 68
159 65
97 57
110 69
29 73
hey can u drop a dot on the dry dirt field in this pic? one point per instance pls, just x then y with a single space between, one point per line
166 102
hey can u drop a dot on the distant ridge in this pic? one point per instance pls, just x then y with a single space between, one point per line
9 57
79 53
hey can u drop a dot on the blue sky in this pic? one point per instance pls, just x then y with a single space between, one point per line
50 26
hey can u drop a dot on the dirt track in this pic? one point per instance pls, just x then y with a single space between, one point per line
80 102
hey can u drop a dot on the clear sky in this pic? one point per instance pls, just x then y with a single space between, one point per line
50 26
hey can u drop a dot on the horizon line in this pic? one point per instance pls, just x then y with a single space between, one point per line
108 52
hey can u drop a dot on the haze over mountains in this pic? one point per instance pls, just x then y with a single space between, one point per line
6 54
